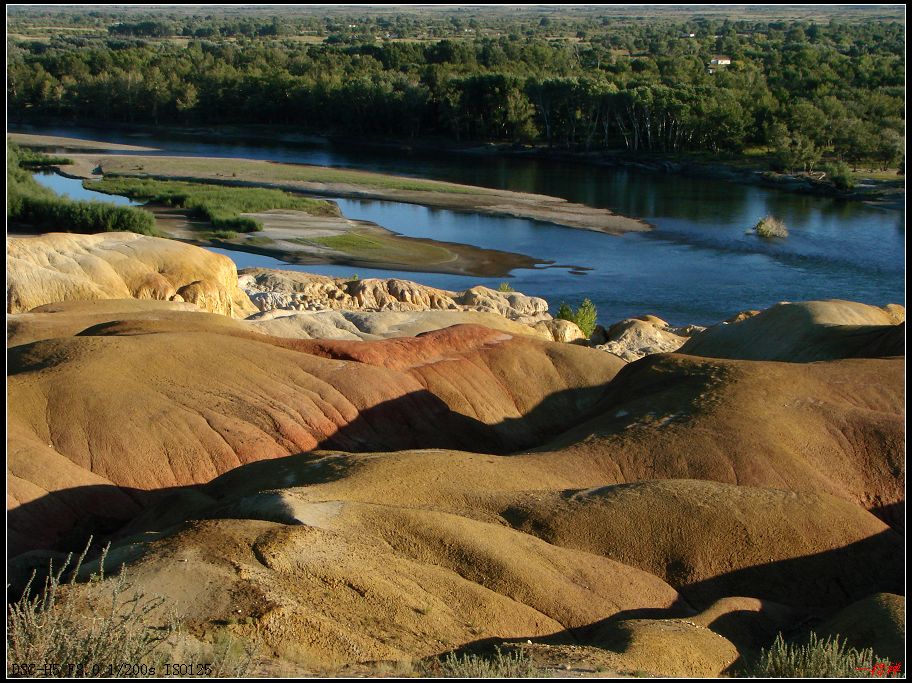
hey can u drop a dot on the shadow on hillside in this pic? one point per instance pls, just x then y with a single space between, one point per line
422 419
824 583
893 514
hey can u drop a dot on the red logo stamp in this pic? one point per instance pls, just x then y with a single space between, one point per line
882 669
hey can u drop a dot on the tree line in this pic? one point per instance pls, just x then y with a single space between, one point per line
798 90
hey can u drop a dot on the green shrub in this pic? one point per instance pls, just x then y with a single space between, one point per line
221 235
585 317
829 658
34 159
768 226
505 287
236 223
516 664
76 216
840 175
49 628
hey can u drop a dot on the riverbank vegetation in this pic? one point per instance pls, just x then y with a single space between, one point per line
33 159
221 206
585 317
770 226
31 205
828 88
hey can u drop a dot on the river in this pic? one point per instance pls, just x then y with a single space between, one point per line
696 266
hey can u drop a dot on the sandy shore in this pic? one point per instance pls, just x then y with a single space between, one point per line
299 238
56 142
321 180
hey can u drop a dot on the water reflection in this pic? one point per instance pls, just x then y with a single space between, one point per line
698 265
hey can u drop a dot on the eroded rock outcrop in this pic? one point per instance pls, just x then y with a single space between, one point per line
353 325
633 338
274 289
723 498
829 551
876 621
59 267
560 330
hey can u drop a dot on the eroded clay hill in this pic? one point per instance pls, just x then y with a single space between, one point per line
807 331
347 501
178 398
835 427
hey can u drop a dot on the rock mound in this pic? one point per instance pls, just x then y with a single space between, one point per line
634 338
806 331
678 648
559 330
355 325
876 621
836 427
119 265
358 582
712 540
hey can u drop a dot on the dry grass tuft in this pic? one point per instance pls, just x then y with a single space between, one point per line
829 658
53 633
771 227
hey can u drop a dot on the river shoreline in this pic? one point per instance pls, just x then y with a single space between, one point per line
886 193
301 238
329 181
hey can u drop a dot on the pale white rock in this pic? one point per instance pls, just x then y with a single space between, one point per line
635 338
57 267
561 330
274 289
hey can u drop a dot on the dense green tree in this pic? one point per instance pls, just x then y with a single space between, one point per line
836 89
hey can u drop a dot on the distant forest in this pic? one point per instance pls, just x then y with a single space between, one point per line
800 89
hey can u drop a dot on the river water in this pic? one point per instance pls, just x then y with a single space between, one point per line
696 266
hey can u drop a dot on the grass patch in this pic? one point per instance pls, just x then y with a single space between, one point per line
218 204
769 227
259 241
219 235
505 287
516 664
350 242
829 658
253 171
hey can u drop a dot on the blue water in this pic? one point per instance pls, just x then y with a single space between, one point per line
72 188
631 274
696 266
